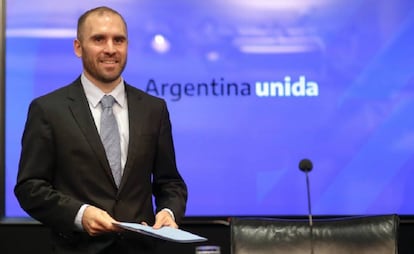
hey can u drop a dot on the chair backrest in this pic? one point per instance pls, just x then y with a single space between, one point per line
348 235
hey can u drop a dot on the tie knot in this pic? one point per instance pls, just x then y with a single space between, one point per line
107 101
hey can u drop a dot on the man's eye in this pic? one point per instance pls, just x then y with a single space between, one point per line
119 40
98 39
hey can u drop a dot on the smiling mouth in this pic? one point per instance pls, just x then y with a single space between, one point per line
109 61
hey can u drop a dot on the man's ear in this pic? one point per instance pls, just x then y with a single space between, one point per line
77 48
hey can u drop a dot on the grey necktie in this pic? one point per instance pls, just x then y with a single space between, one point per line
110 137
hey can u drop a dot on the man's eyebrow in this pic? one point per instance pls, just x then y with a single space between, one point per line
97 36
113 36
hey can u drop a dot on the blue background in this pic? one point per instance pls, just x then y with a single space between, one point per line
239 154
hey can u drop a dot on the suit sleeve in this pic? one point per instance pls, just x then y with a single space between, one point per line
169 188
34 189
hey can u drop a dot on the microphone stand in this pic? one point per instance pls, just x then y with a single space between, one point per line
305 165
310 213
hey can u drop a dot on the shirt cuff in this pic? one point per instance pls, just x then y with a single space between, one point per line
170 212
79 216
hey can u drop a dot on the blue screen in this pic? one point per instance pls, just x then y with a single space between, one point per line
252 88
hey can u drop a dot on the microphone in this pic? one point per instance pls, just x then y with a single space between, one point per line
305 165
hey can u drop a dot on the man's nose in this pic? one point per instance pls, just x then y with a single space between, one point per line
110 47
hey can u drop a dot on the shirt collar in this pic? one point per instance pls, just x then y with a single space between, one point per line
94 94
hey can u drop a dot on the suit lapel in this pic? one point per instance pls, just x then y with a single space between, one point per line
79 107
135 115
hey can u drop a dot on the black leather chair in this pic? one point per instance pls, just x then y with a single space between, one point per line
348 235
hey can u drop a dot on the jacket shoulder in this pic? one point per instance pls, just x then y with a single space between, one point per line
64 91
134 92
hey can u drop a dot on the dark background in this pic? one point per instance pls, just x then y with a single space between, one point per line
31 237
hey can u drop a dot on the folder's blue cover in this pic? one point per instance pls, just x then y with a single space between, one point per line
166 233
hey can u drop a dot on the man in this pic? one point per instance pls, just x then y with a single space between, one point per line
68 178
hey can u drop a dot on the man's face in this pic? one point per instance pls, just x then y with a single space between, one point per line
102 45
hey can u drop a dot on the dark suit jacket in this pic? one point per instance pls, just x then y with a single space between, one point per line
63 165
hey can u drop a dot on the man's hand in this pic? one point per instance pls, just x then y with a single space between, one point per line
164 218
96 221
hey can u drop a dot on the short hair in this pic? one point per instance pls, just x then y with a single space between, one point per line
100 11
